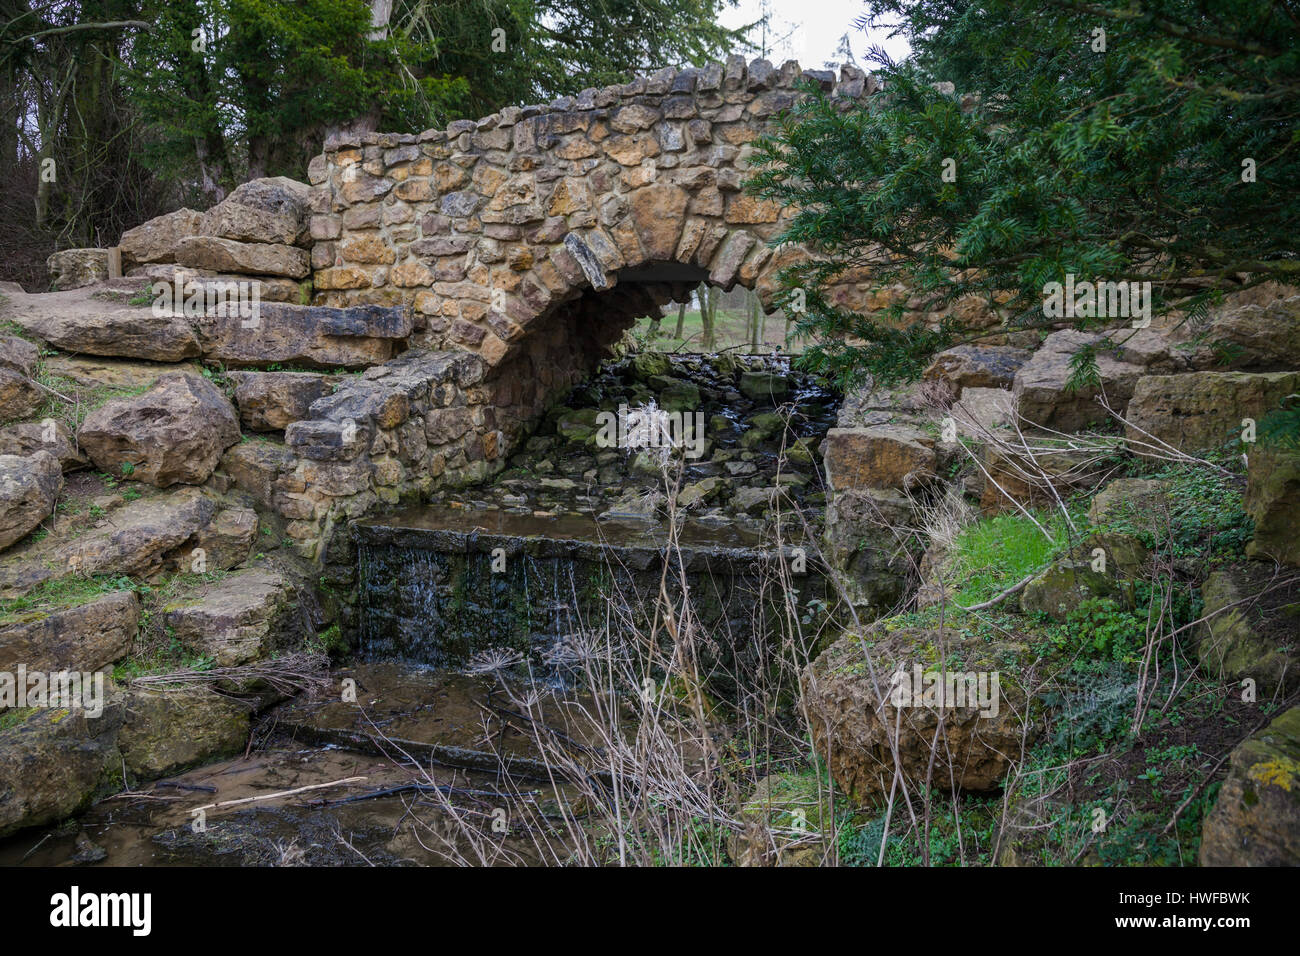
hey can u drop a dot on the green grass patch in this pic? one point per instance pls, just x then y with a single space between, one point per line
63 592
994 553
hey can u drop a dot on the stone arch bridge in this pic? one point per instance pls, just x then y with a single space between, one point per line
516 248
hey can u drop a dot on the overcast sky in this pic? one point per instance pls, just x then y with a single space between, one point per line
810 30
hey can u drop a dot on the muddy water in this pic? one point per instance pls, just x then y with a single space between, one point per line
408 731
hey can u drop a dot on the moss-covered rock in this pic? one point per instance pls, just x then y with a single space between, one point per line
166 732
1256 818
646 365
1273 500
788 822
54 761
1251 628
1100 567
963 725
578 426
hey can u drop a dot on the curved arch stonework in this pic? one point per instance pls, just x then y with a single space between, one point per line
498 231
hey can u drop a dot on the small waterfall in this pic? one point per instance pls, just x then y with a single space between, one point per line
534 595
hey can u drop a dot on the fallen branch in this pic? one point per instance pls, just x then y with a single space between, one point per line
282 793
1015 588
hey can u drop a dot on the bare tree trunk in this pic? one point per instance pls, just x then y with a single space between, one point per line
681 320
708 310
381 12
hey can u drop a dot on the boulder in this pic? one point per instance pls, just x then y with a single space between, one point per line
1075 577
269 401
224 542
84 637
675 394
256 466
975 728
158 239
51 435
174 432
111 373
578 425
74 268
1273 500
244 258
1246 336
977 366
1201 411
29 487
53 764
238 619
647 365
166 732
18 355
19 396
140 538
861 541
1040 387
1250 629
881 456
273 210
1140 503
1256 818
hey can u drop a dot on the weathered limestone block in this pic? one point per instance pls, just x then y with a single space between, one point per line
19 396
54 762
1041 388
1199 411
100 329
865 539
85 637
853 714
882 456
166 732
239 619
274 210
256 466
1273 500
74 268
244 258
269 401
977 366
142 538
174 432
315 336
1251 629
157 240
51 435
29 488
